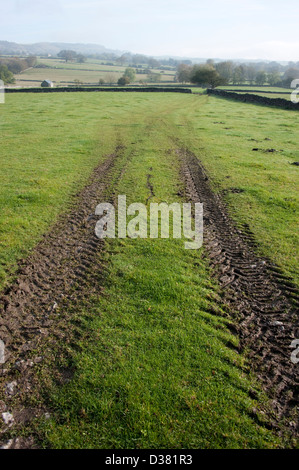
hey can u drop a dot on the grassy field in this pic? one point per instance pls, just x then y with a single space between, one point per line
255 88
91 71
155 368
224 134
159 371
54 152
90 64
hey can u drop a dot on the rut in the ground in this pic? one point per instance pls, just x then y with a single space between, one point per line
265 300
55 273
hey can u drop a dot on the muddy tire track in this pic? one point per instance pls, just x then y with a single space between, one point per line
150 186
265 301
56 274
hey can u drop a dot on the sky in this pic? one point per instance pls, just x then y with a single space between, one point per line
228 29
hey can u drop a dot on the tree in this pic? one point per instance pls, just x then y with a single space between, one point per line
290 75
67 55
205 75
139 59
239 75
16 65
5 75
153 63
261 78
31 61
122 59
183 73
101 81
274 78
225 70
123 81
130 74
210 62
250 73
110 78
153 77
81 58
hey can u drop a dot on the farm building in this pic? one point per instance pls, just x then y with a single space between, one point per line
47 84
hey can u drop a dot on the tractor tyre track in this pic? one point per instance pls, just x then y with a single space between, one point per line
55 275
266 301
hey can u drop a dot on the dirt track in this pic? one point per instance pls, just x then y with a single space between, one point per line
265 301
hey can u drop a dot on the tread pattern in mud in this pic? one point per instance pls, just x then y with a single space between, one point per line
266 301
56 273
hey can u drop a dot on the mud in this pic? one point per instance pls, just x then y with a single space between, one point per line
264 300
58 273
55 275
265 150
150 186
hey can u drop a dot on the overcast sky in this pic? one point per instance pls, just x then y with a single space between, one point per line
249 29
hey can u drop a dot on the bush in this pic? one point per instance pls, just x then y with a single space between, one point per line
5 75
123 81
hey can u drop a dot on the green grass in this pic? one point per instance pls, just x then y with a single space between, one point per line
44 155
49 145
223 133
155 364
156 370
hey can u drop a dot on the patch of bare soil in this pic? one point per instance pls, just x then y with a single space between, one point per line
57 273
265 301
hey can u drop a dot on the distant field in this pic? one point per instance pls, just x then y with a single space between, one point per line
91 71
91 64
64 75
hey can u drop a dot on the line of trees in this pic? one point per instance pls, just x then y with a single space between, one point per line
135 60
227 72
71 56
16 65
129 76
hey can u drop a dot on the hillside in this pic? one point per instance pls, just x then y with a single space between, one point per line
53 48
